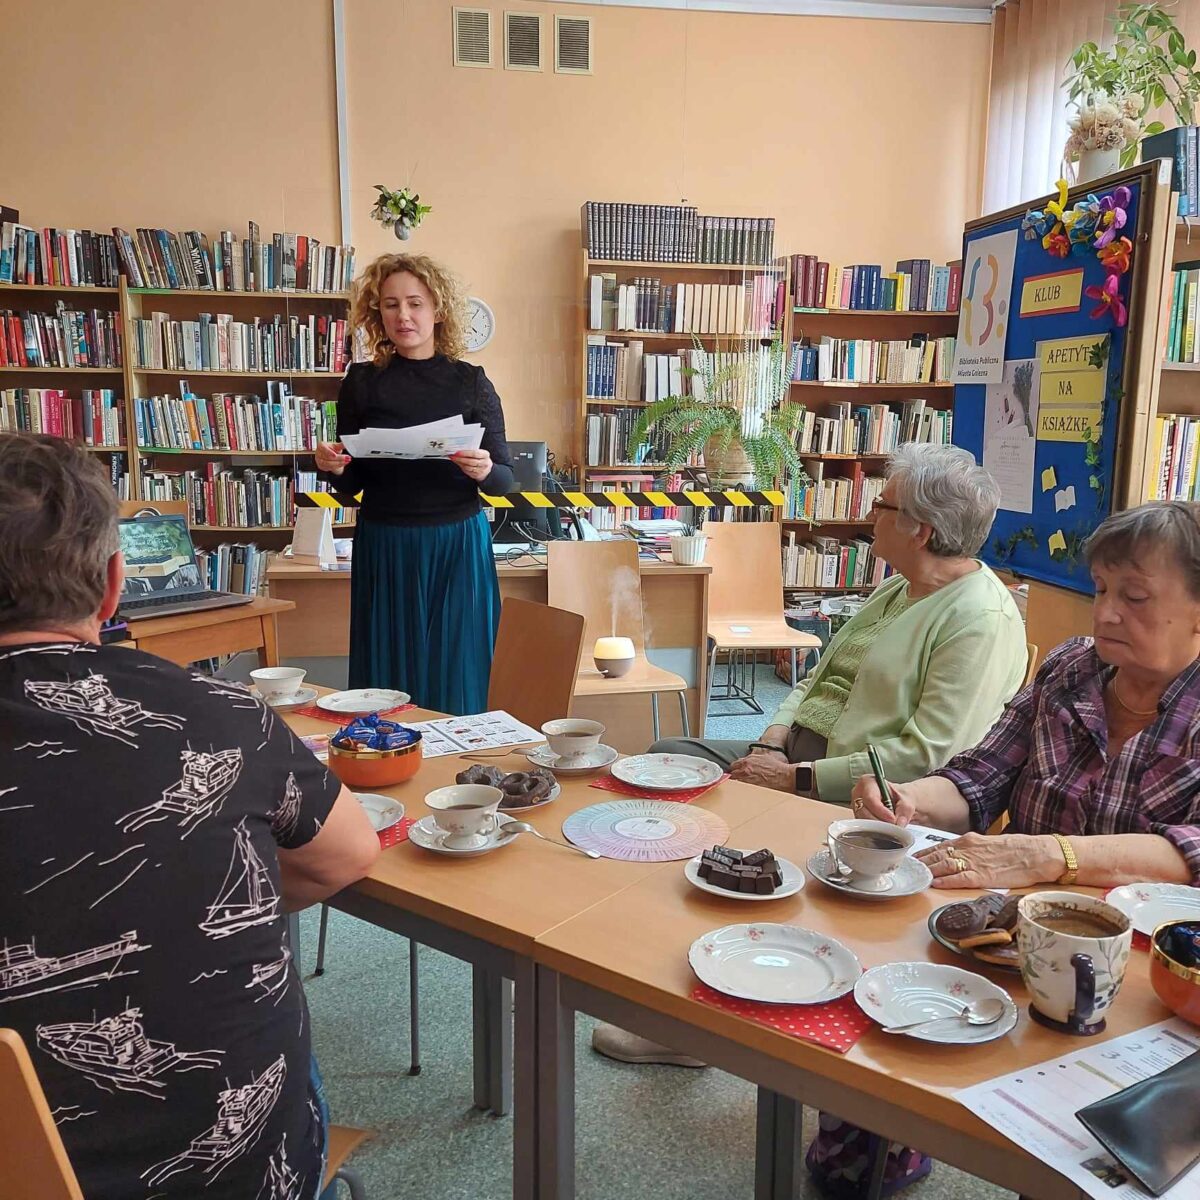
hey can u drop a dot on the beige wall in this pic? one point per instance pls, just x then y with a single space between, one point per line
863 138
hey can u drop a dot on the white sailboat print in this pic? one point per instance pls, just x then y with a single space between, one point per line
286 816
24 972
272 979
208 777
116 1053
281 1181
241 1114
247 896
89 704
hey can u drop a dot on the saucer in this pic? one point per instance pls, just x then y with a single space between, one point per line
426 834
1149 905
910 877
667 772
583 764
301 696
360 701
382 811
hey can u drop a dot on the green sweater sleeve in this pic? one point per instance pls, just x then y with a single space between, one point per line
964 674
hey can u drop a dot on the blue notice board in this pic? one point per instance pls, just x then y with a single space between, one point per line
1054 417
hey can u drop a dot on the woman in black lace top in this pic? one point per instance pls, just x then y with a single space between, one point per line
425 600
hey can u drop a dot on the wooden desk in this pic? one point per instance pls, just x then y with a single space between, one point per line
625 961
188 637
675 607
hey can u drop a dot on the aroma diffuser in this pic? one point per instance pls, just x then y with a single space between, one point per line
613 656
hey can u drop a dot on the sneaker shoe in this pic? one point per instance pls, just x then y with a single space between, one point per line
628 1047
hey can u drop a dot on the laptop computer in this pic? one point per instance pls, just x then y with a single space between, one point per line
162 576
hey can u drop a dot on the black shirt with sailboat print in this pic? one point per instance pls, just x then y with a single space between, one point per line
143 950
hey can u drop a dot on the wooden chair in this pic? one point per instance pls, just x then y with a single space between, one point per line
1033 654
536 661
33 1161
343 1141
745 603
602 582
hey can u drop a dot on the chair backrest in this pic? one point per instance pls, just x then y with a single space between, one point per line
536 661
33 1162
602 582
747 571
1031 663
165 508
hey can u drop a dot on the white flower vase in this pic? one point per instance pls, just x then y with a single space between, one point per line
403 232
1093 164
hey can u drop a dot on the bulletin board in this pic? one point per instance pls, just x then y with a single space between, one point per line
1051 309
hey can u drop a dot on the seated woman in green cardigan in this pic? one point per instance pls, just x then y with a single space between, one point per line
924 668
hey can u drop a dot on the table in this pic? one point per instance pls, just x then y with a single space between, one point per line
470 908
185 638
895 1086
674 602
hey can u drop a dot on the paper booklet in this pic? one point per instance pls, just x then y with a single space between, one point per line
435 439
1036 1107
481 731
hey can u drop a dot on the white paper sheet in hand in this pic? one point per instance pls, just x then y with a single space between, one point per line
434 439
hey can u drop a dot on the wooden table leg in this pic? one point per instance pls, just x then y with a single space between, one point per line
268 652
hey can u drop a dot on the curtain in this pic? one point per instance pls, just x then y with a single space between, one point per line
1027 115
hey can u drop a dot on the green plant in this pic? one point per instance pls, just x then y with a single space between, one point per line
402 208
1148 66
1004 548
1093 437
739 399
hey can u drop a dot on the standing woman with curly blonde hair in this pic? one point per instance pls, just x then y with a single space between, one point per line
424 597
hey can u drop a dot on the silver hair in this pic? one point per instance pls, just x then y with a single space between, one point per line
945 488
1170 527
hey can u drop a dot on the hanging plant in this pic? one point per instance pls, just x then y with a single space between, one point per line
400 211
1005 548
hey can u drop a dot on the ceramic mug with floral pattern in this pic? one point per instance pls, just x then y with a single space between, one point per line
1074 950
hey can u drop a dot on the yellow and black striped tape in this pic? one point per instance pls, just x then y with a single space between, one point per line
533 500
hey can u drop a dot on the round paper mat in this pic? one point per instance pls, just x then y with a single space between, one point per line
645 830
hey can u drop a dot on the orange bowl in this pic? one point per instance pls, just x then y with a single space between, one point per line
1177 986
375 768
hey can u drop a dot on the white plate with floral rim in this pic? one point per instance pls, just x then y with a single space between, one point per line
667 772
426 834
382 811
910 877
1148 905
901 993
792 875
361 701
582 764
774 964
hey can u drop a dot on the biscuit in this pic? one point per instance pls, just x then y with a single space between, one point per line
1000 956
989 937
957 921
1006 917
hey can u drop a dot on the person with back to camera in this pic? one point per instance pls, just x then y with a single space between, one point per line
424 596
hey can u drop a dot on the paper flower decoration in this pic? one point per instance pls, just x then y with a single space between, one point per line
1116 256
1036 224
1108 298
1059 244
1112 215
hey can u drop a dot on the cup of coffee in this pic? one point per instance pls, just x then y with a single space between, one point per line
570 738
1073 953
278 684
465 813
868 851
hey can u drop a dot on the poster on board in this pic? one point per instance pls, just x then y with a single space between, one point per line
983 316
1009 432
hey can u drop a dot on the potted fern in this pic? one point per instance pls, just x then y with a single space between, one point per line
735 413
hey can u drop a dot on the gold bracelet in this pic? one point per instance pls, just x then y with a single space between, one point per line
1068 852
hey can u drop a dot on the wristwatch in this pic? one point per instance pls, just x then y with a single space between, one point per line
804 779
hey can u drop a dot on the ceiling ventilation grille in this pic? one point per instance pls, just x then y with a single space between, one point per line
472 37
572 45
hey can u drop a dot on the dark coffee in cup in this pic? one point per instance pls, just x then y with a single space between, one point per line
1077 924
869 839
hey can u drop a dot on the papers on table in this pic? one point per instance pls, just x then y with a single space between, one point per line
1035 1108
481 731
435 439
927 837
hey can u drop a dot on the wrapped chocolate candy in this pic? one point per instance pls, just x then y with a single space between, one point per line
1182 943
374 732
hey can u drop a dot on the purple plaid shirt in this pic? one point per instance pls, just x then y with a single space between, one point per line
1045 760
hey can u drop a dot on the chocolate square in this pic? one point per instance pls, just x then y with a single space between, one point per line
758 858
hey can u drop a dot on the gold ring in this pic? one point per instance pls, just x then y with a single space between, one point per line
960 864
856 804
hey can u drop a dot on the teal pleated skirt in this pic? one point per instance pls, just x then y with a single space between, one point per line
424 608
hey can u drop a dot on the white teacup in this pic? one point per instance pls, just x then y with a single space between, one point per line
1074 950
278 683
850 844
465 813
570 738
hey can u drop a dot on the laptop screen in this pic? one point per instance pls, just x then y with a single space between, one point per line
158 557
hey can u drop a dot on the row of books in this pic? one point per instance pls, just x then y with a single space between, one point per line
58 257
67 337
1183 344
620 371
833 498
610 520
648 305
226 421
606 439
1175 451
826 562
119 475
873 428
1180 146
675 233
95 417
916 285
918 359
235 499
220 343
233 567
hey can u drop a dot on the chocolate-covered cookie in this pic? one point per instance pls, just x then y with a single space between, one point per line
968 917
1006 916
521 789
478 773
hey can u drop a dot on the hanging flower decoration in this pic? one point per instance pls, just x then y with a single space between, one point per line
1058 244
1108 298
1116 256
1112 215
1036 224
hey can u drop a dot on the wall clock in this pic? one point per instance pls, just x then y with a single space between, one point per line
481 324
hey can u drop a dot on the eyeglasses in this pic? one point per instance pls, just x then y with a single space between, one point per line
878 506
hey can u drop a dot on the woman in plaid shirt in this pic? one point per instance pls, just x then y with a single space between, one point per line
1097 762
